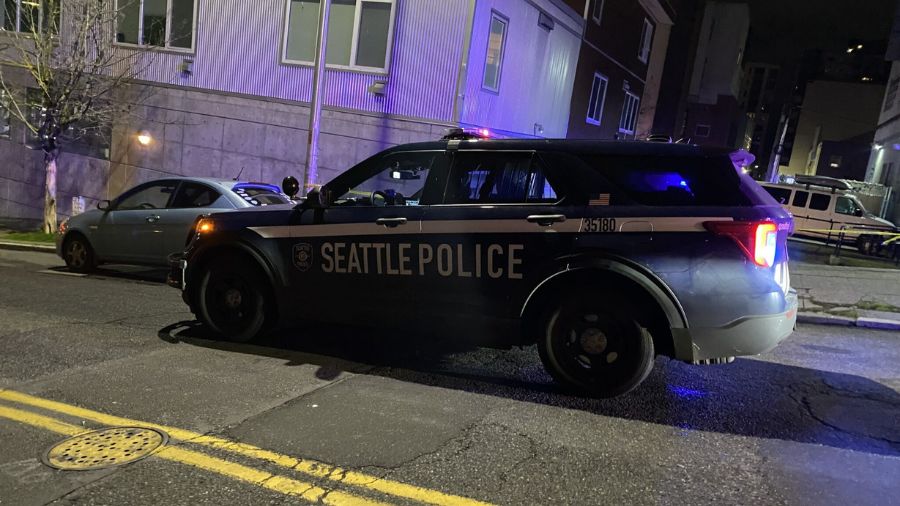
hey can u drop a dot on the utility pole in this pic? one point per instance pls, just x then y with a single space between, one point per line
772 172
315 107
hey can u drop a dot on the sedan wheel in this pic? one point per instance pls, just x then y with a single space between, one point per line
78 255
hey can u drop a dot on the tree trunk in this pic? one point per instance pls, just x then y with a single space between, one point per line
50 191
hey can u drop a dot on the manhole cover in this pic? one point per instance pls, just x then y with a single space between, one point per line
104 448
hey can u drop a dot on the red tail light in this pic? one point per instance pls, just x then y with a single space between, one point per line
757 239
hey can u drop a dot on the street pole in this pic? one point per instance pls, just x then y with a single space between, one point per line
315 107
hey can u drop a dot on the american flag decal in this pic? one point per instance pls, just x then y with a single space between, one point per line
601 200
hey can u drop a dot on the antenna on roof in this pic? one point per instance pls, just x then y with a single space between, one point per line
239 174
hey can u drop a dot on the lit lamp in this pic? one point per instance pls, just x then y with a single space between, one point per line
144 138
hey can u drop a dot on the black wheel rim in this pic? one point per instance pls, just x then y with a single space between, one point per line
231 302
594 346
76 254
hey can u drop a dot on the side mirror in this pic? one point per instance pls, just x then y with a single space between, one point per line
103 205
858 212
290 186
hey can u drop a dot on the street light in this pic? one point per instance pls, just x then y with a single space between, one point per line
144 138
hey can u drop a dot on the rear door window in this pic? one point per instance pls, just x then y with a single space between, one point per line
194 195
781 195
820 202
496 177
801 198
668 180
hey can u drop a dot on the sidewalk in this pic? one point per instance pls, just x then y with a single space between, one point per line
852 296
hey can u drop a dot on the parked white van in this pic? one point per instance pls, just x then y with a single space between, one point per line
823 207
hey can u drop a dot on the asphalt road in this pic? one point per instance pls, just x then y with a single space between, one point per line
408 421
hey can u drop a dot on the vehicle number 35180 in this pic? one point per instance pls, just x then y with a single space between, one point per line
601 225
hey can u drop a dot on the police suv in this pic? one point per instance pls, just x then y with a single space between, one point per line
604 254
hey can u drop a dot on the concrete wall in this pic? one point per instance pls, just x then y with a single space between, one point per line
720 50
199 133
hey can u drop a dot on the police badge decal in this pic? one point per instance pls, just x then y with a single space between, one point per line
303 255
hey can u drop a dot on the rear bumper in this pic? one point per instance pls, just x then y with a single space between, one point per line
750 335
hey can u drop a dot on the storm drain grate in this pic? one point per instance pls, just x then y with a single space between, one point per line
104 448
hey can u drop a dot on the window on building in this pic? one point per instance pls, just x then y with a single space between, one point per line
598 11
629 113
800 199
166 24
834 161
820 202
702 131
598 98
646 41
359 33
4 115
26 16
493 62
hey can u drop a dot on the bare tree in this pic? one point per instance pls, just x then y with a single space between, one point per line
76 78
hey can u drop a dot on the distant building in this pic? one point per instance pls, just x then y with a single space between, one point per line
836 125
713 116
757 103
884 157
620 66
672 104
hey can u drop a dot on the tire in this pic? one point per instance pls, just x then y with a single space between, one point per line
866 245
232 299
595 346
78 254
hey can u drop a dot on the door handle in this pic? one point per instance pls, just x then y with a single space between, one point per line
152 219
391 222
545 220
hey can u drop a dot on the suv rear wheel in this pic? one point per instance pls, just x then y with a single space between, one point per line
595 345
232 299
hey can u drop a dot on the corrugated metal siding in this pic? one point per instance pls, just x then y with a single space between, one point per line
537 74
239 51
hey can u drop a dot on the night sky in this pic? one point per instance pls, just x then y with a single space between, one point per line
782 29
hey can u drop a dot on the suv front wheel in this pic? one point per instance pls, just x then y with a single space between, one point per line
595 345
232 299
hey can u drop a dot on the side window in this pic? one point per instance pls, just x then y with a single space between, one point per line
820 202
154 196
782 195
411 178
800 198
845 205
192 195
498 177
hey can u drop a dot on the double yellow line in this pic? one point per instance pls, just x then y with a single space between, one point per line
282 484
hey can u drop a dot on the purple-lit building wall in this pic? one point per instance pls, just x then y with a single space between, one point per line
243 108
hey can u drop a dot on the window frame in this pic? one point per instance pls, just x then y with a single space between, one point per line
505 20
597 11
599 109
166 47
827 209
115 206
637 106
354 41
5 114
646 44
702 125
18 29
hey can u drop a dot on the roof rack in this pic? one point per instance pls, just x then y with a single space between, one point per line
823 181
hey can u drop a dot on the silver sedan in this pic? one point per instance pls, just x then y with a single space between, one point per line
149 222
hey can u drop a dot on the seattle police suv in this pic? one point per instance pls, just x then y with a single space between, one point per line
604 254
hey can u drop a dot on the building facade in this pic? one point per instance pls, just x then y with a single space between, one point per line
619 71
229 88
713 116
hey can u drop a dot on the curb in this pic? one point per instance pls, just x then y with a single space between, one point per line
868 323
25 246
